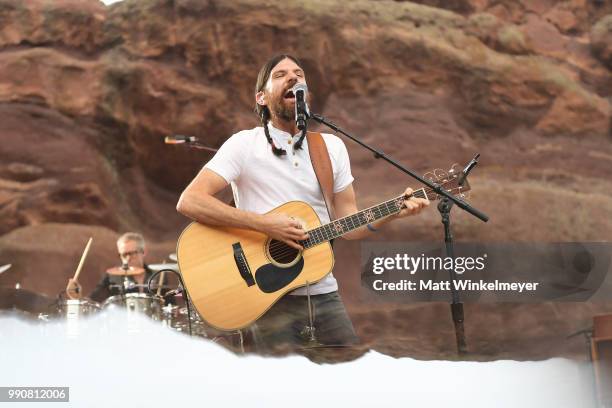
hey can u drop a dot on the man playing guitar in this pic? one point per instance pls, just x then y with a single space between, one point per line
268 166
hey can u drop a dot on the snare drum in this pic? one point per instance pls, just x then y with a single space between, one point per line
149 305
75 310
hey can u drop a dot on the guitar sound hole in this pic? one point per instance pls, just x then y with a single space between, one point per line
282 253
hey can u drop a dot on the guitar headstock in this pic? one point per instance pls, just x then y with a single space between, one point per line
449 180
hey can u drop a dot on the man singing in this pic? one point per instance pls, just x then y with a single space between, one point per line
268 166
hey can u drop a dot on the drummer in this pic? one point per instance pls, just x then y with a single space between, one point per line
132 252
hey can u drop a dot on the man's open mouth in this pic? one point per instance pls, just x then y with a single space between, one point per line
289 95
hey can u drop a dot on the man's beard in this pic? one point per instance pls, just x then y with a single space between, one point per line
281 111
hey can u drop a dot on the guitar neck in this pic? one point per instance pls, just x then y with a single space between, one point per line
344 225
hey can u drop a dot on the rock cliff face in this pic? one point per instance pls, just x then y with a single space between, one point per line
88 91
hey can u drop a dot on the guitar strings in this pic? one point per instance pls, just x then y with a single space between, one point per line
279 248
285 249
276 244
377 208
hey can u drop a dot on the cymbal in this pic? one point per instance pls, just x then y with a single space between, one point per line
119 271
24 300
164 267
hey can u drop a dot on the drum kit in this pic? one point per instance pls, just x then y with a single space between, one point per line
171 309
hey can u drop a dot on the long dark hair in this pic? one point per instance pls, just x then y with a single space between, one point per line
263 112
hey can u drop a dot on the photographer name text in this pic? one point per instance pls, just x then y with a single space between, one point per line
462 285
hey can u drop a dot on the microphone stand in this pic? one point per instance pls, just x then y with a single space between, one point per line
191 142
197 145
444 207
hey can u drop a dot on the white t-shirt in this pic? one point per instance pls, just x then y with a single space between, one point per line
262 181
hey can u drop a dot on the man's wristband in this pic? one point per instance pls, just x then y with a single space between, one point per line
371 228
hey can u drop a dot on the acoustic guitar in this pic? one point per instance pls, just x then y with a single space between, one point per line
233 276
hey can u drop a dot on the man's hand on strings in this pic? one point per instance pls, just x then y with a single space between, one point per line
284 228
412 205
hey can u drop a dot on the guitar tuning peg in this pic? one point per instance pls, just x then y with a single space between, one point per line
439 174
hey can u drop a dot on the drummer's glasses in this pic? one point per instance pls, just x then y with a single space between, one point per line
131 253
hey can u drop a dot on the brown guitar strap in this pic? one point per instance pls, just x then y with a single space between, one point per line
319 156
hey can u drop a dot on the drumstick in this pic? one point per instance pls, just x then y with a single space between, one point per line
161 282
78 271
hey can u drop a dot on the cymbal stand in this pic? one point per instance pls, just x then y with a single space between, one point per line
126 282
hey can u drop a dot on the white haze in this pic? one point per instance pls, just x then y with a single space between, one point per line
112 360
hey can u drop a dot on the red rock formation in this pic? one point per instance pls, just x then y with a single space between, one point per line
601 40
87 92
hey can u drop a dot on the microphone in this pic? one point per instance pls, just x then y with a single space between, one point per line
178 139
467 170
301 107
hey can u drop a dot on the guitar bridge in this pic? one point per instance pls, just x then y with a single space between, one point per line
242 264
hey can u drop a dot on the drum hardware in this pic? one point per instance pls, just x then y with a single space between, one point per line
126 271
233 340
178 319
174 292
127 284
179 291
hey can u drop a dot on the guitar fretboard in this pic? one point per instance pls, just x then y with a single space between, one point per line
341 226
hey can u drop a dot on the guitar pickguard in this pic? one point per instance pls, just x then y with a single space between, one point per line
270 278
